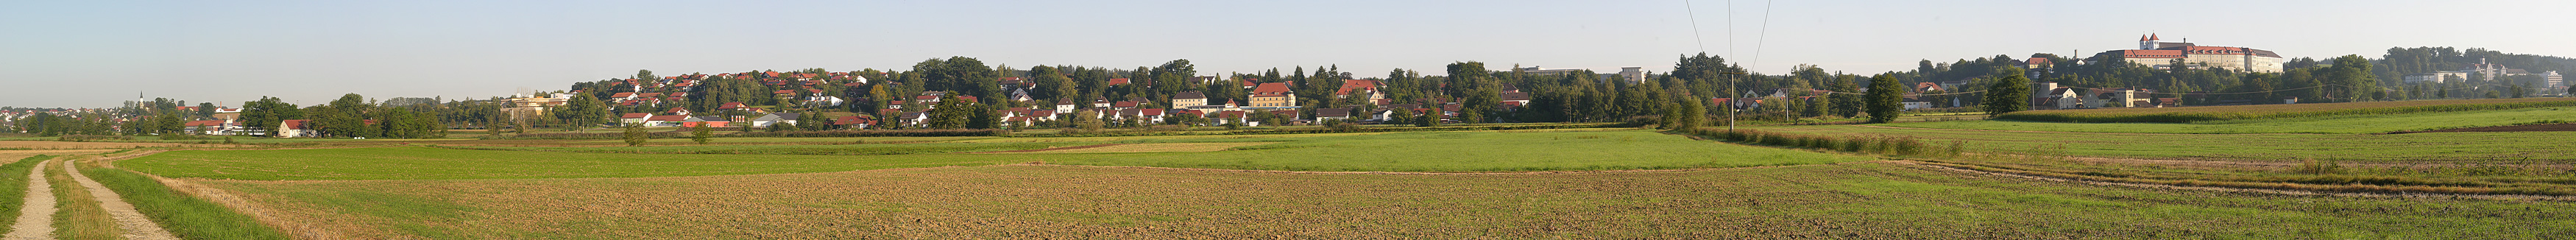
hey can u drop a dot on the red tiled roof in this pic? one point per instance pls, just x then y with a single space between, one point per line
206 123
2151 53
1117 81
668 118
622 95
635 115
731 105
1353 85
1270 90
295 124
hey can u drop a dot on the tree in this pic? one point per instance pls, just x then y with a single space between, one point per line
267 112
204 110
1885 98
1428 119
954 113
2353 73
701 132
1694 113
2011 93
582 111
635 135
1843 101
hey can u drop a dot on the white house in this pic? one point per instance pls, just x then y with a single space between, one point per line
765 120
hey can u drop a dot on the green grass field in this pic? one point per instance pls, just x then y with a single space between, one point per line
1481 151
771 188
434 163
840 149
184 216
13 188
1850 201
2490 147
737 140
2250 112
2333 124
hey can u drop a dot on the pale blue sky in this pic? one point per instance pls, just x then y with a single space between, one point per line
95 53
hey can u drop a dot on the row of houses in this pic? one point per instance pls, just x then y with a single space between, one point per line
682 117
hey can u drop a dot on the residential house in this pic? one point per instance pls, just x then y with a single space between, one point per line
296 128
854 122
1064 104
1123 105
633 118
1189 99
1041 115
1367 90
1917 102
765 120
665 120
709 121
913 119
209 127
1516 99
1272 96
2119 97
1332 114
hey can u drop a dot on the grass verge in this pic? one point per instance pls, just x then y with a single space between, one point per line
81 216
184 216
13 189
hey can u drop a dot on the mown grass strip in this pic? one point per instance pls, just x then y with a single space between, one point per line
81 216
13 189
185 216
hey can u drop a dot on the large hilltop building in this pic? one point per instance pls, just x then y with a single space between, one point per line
2154 52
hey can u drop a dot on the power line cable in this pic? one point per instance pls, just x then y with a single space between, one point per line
1694 18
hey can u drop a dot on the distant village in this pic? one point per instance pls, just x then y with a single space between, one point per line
814 99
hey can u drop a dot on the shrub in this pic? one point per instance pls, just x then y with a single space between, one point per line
92 138
1889 145
2319 167
583 135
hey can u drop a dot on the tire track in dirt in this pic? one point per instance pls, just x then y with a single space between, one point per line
36 217
136 225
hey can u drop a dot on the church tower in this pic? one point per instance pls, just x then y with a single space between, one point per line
2148 42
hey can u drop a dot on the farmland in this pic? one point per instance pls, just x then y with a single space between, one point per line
1543 183
2330 124
2217 113
1852 200
1412 151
